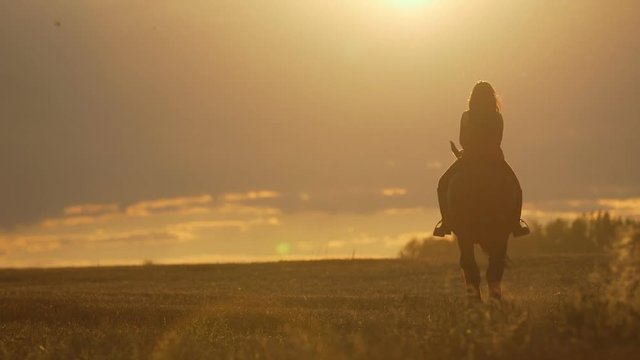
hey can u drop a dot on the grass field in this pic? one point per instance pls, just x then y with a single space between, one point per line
367 309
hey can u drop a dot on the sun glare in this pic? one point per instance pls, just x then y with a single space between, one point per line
410 3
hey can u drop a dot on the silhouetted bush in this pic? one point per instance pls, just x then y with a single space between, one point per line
429 249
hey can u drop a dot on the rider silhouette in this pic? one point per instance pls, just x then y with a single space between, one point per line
481 130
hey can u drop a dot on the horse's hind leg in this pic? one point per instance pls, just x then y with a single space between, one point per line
469 269
495 270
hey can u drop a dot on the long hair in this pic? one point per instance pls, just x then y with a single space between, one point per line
483 98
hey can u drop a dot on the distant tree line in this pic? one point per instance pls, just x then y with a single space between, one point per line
589 233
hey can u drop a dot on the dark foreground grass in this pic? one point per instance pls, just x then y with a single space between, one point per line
368 309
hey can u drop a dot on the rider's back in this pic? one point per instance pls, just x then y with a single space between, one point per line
481 176
481 135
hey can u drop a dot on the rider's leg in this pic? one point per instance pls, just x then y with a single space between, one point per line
517 228
469 269
443 188
495 270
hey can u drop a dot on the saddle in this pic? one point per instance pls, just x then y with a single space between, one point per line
482 197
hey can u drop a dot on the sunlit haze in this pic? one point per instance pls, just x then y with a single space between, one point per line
215 131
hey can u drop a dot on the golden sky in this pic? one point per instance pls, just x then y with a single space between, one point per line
196 131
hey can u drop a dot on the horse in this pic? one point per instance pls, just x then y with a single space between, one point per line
481 199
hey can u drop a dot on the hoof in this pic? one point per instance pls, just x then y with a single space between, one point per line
473 295
495 291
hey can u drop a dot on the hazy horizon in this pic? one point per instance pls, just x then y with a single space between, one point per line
237 131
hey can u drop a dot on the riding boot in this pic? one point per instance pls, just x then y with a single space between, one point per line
495 290
444 226
441 229
521 229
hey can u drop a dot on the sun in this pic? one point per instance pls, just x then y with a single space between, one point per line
410 3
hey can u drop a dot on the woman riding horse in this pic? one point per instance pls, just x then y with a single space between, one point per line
486 196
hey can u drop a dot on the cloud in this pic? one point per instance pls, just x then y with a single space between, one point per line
394 191
403 211
87 214
164 234
336 244
624 207
403 238
90 209
179 204
191 226
82 214
307 246
571 208
251 195
31 243
149 237
174 233
71 221
547 215
238 209
543 211
259 203
362 240
139 223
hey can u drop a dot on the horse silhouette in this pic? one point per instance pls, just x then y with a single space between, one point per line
482 196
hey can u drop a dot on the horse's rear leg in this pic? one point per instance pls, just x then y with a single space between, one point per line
470 270
495 270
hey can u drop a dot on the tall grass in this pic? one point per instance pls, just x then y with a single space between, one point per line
606 315
555 307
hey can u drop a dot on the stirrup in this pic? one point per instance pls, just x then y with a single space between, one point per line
441 230
522 229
